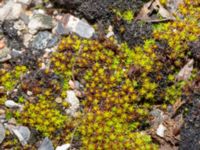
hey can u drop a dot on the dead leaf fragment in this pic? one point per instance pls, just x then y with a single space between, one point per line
186 71
152 11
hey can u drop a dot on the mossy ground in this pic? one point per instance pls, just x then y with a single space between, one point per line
122 82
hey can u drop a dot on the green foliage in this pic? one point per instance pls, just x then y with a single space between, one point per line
127 15
9 78
43 116
117 81
121 84
183 31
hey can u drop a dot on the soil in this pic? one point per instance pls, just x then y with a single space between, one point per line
190 133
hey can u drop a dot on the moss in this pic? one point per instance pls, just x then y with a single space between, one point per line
127 15
10 78
43 116
121 85
110 71
183 30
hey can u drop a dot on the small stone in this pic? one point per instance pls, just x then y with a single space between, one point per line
26 2
58 100
23 134
41 40
71 24
2 133
29 93
63 147
46 145
27 38
19 25
40 22
5 54
10 11
12 104
73 101
74 84
110 32
161 130
16 53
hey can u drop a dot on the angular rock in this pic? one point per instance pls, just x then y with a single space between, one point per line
23 134
41 40
10 11
63 147
73 101
71 24
2 133
40 22
46 145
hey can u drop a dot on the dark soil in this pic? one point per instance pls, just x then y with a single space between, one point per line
190 133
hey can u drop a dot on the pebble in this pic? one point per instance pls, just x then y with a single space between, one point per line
58 100
10 11
46 145
40 22
5 54
63 147
2 133
23 134
29 93
110 32
12 104
71 24
73 101
161 130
